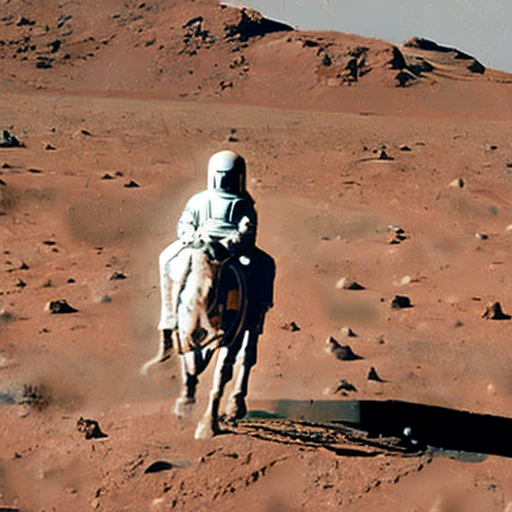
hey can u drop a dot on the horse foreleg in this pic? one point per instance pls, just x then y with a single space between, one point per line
209 424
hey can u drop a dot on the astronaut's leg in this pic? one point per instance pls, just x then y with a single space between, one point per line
167 290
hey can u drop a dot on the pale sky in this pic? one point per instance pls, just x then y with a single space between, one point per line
482 28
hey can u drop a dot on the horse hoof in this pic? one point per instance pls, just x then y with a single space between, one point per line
183 406
236 410
205 430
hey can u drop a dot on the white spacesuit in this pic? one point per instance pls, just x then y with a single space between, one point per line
224 213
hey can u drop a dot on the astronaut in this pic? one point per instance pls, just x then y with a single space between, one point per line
222 217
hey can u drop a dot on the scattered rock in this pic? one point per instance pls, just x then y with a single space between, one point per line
20 283
90 429
404 147
346 284
348 332
44 63
6 317
9 141
404 78
345 385
117 276
290 326
107 176
384 156
458 183
131 184
493 311
396 235
481 236
373 375
401 302
49 147
24 266
342 352
59 307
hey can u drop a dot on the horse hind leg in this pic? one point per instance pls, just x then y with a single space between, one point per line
237 408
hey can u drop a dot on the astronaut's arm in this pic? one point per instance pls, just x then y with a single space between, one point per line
245 235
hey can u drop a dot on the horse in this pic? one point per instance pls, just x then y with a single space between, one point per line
221 305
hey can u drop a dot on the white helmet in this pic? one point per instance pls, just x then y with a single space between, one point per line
226 171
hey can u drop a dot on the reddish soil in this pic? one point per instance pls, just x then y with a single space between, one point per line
146 92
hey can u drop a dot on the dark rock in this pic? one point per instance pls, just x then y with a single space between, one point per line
326 60
25 22
494 312
425 44
24 266
352 285
252 24
2 182
55 46
404 78
419 66
59 307
116 275
384 156
345 385
90 429
8 140
404 147
44 63
6 317
372 375
401 302
107 176
342 352
20 284
49 147
348 332
476 67
290 326
131 184
397 60
396 235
